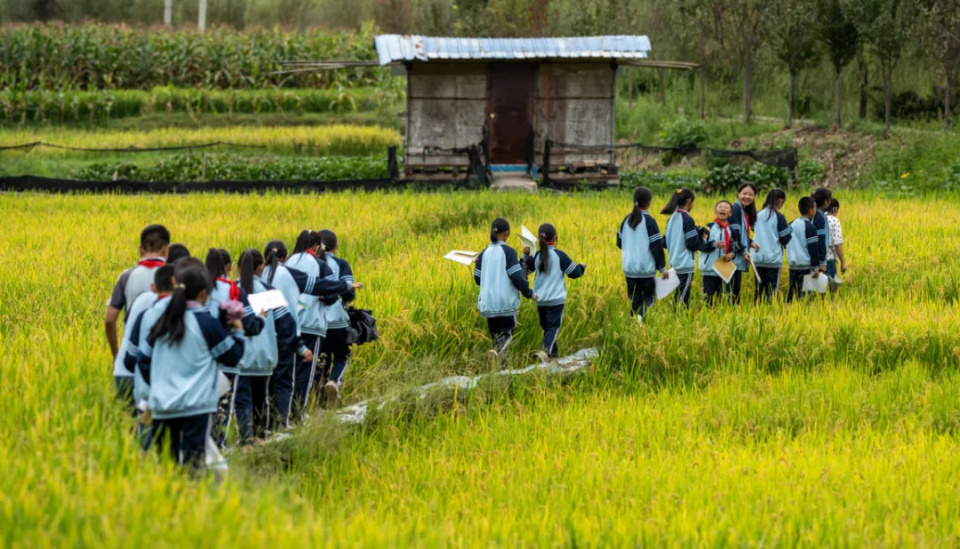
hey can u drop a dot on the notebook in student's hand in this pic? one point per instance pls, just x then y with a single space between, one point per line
462 257
725 269
665 287
528 238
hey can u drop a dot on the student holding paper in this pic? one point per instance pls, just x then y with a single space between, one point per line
720 247
550 265
773 235
500 276
334 346
261 353
642 253
682 240
742 218
803 251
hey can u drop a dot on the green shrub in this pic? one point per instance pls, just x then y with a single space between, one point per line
810 172
726 179
684 134
659 182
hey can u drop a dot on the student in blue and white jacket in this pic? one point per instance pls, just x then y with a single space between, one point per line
499 274
803 251
743 217
641 247
721 241
772 234
821 198
682 241
335 349
219 266
181 355
263 351
294 283
550 265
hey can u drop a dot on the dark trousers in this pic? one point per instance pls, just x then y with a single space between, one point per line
501 331
682 294
336 355
224 415
303 377
187 436
281 391
642 293
551 317
796 283
713 287
735 285
250 406
769 283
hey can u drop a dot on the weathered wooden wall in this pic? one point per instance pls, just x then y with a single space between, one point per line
447 107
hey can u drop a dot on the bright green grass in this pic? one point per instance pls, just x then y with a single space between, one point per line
827 423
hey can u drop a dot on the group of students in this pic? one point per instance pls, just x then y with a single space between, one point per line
194 353
812 245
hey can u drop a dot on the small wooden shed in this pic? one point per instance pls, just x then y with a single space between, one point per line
508 97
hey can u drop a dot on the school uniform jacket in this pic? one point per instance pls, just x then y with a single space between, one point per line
335 311
550 285
710 253
641 248
310 309
143 302
772 234
823 236
739 222
803 251
141 329
183 375
133 282
501 280
682 242
253 323
262 351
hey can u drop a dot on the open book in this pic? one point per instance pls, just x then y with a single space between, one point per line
462 257
528 238
725 269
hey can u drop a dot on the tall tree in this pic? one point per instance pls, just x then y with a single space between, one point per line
839 36
884 26
941 25
793 43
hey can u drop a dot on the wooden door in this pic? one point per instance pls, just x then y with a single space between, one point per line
510 96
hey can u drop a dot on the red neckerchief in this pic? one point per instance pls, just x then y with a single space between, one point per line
234 289
151 263
311 252
726 234
746 221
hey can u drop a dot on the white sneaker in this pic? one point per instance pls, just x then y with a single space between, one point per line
331 395
640 320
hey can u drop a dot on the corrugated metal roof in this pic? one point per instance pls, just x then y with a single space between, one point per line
396 48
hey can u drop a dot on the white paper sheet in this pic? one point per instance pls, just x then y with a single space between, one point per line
528 238
666 287
461 256
266 301
818 284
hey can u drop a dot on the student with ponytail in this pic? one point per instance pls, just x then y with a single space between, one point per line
498 272
219 266
181 353
720 242
279 337
772 234
681 240
642 253
308 263
550 266
742 219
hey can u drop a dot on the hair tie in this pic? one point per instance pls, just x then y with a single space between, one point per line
543 236
679 191
181 286
274 250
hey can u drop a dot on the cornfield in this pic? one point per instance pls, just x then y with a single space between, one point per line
97 57
831 422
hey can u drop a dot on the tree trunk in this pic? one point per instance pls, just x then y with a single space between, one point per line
630 93
202 16
791 98
887 97
864 84
946 97
703 94
747 87
168 13
836 99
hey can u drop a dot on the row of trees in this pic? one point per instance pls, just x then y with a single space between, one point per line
801 33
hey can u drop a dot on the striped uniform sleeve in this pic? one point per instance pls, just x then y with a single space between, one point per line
346 276
783 230
813 244
226 349
133 351
476 268
529 263
656 243
820 222
515 272
571 269
286 326
253 323
620 232
691 237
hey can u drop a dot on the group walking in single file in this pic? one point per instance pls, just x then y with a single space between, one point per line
195 356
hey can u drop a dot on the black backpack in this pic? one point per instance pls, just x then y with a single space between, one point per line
363 326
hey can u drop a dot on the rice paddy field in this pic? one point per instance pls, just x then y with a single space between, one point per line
834 422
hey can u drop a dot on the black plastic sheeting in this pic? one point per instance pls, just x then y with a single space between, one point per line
27 183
